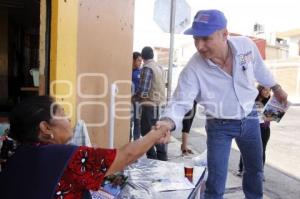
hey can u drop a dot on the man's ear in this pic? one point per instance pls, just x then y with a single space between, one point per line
225 33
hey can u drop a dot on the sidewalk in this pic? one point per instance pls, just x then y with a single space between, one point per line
282 170
233 184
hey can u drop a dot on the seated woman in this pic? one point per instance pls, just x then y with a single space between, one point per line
44 167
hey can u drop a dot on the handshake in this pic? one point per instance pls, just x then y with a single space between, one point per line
163 129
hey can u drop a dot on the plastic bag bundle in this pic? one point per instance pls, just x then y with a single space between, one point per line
81 136
201 160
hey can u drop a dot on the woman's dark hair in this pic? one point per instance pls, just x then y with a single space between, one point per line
26 117
147 53
259 96
135 55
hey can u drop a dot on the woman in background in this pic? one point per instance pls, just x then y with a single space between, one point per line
264 95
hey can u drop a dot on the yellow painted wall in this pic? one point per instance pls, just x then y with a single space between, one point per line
91 48
63 54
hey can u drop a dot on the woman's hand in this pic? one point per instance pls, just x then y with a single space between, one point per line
164 130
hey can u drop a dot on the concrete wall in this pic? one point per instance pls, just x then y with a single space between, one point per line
294 46
276 52
104 56
287 73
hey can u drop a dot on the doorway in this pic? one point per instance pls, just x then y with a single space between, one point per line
20 51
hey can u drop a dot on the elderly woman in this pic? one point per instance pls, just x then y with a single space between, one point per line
43 167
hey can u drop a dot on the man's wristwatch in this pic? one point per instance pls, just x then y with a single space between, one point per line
275 88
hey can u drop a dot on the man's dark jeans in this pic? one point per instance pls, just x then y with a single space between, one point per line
150 115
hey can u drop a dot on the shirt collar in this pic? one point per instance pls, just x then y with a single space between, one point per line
148 61
233 51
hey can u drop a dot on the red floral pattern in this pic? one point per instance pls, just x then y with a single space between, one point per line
85 170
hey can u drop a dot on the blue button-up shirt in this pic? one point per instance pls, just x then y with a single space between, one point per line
136 76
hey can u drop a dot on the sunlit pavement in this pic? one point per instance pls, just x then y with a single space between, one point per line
282 169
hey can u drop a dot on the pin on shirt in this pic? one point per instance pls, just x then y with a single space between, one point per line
245 59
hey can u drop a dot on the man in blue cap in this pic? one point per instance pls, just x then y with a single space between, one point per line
221 77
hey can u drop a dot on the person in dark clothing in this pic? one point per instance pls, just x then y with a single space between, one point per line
261 100
152 100
186 127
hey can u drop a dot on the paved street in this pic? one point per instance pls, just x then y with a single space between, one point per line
282 169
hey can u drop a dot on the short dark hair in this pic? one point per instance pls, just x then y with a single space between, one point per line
260 88
147 53
26 117
135 55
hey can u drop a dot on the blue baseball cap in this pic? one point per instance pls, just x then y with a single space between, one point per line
206 22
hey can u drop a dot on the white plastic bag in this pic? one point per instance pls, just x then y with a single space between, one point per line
81 136
201 160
